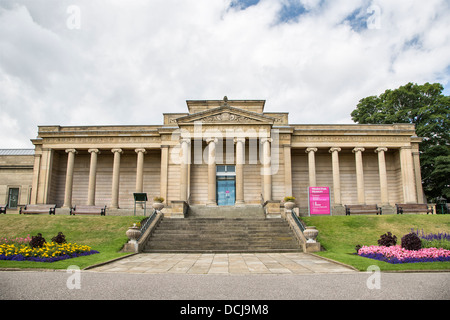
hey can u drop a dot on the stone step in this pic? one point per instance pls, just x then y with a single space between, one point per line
222 235
253 212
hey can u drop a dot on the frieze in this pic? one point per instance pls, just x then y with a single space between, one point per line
101 139
349 139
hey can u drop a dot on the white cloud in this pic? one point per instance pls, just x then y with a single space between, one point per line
131 61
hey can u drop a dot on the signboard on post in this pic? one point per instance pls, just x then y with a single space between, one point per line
140 198
319 201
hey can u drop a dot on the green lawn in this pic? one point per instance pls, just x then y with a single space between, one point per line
340 234
105 234
337 234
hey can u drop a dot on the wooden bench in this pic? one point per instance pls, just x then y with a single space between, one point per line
38 208
412 208
101 210
362 209
3 209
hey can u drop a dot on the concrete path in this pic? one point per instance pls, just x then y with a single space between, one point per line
227 263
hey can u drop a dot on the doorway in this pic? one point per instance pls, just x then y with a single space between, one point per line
13 198
226 185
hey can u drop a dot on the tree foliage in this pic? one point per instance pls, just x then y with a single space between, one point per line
429 110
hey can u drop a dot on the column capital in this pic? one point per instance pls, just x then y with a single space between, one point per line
94 151
358 149
209 140
308 150
381 149
264 140
71 151
117 150
334 149
140 150
239 139
185 140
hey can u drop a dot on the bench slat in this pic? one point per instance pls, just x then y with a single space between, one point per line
413 207
362 209
88 210
38 208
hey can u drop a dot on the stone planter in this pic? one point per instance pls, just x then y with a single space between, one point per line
310 234
158 206
133 233
289 205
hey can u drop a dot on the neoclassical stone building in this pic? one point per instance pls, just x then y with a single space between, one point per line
226 153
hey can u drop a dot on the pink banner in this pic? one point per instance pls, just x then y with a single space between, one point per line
319 201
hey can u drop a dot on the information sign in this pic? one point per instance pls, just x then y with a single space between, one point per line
319 201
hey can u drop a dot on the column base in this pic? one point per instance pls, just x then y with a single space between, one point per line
338 210
211 204
239 203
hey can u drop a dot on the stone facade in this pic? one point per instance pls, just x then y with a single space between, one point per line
223 152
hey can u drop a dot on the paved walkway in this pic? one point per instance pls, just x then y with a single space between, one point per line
231 263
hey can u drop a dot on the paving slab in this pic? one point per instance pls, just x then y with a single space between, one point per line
223 263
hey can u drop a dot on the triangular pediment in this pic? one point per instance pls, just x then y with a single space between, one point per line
226 115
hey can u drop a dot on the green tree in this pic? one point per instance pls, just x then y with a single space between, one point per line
429 110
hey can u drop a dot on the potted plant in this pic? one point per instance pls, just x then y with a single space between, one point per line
289 202
158 204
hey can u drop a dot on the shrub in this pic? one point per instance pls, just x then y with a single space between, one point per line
411 241
158 199
37 241
60 238
387 240
286 199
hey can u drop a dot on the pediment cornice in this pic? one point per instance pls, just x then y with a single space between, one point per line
226 115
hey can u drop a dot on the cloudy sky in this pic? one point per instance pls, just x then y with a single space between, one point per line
87 62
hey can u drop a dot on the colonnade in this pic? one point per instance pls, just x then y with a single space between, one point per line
410 173
239 165
93 175
409 164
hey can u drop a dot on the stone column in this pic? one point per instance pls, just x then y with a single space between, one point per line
92 176
311 166
359 175
240 159
418 175
383 175
184 172
287 170
336 175
211 171
115 179
407 169
164 171
69 177
267 170
140 170
36 173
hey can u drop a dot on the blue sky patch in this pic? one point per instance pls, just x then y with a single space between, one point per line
291 11
243 4
357 20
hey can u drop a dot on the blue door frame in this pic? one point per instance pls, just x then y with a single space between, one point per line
226 190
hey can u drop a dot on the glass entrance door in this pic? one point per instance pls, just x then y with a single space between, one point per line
226 191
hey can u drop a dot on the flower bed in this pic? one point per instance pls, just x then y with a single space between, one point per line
397 254
49 252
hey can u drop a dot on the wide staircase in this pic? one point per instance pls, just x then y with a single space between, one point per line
220 230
